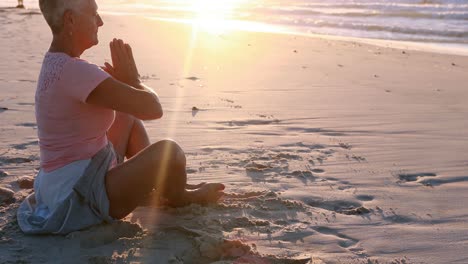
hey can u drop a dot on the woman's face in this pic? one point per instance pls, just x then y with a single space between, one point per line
87 23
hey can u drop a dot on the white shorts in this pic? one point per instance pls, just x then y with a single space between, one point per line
69 198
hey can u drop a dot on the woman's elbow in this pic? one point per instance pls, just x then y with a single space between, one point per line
155 112
158 113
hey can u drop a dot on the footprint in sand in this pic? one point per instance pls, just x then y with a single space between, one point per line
438 181
25 145
318 171
340 206
417 177
288 156
344 241
14 160
392 216
257 167
303 145
302 174
344 185
365 197
429 179
104 234
355 158
344 145
305 176
27 124
215 248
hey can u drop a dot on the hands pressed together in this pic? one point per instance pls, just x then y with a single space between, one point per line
124 67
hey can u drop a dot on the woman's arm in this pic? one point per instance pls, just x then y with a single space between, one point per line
141 101
125 92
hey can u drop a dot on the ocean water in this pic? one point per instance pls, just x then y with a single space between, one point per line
423 21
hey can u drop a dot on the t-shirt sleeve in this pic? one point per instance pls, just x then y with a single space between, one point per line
80 77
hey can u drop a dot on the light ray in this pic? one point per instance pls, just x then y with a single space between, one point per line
210 16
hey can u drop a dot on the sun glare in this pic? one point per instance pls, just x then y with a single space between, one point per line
214 16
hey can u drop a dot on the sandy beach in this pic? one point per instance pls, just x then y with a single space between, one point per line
331 151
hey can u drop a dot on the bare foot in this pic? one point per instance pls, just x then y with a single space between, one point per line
194 186
206 194
202 193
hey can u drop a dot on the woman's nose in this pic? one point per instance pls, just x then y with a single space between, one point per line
100 22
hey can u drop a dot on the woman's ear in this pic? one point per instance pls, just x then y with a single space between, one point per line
68 19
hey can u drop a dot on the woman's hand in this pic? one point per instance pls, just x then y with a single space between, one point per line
124 67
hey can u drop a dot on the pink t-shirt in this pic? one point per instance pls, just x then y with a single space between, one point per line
69 129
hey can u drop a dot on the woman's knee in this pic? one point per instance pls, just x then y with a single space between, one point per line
122 123
120 131
169 155
124 117
169 151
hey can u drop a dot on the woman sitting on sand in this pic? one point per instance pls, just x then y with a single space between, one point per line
89 120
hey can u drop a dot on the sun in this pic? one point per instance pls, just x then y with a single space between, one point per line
214 16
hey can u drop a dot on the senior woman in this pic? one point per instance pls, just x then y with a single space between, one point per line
89 120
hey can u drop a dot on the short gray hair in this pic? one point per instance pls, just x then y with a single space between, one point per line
53 11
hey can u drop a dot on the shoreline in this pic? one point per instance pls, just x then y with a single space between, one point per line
430 47
459 49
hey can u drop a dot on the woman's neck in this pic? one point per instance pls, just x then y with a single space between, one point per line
64 45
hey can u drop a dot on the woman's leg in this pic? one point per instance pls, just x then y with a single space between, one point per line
128 135
160 165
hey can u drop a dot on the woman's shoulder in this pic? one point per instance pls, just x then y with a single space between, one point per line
60 59
52 68
54 61
78 65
